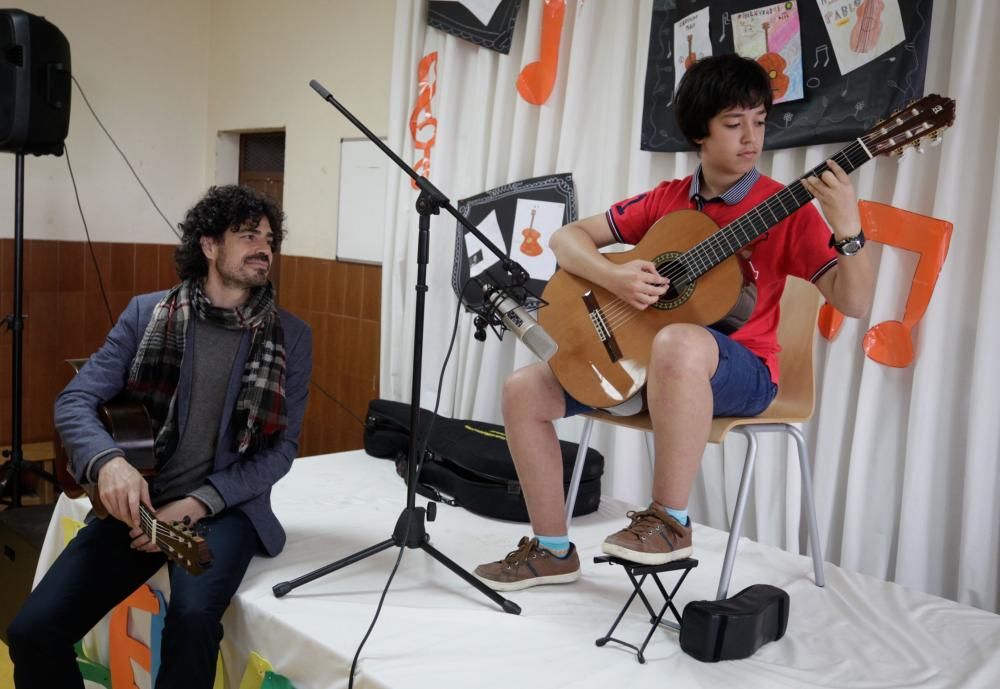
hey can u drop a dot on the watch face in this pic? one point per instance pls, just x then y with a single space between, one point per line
852 247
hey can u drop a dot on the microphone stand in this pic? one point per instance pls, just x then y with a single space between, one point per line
410 531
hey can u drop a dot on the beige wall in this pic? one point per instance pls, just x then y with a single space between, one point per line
263 55
166 77
141 64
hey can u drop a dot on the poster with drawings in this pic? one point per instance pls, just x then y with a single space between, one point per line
520 219
771 35
861 31
845 91
692 42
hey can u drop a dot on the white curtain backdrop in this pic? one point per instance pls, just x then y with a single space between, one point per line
906 460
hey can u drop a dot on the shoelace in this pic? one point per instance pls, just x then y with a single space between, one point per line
645 522
522 553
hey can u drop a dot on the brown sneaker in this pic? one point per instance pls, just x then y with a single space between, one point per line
653 538
529 565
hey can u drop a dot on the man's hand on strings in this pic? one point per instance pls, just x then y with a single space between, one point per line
122 489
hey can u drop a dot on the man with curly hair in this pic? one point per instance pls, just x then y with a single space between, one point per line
224 375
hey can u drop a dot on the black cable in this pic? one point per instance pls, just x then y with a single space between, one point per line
90 244
343 406
124 157
420 454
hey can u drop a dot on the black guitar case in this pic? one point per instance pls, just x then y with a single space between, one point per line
467 463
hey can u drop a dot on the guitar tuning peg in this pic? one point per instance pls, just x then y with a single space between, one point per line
898 155
936 139
919 147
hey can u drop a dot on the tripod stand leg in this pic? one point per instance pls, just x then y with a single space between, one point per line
280 589
507 605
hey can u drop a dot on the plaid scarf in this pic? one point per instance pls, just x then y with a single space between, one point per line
260 408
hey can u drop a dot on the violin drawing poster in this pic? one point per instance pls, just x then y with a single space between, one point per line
861 32
772 36
519 218
534 223
691 42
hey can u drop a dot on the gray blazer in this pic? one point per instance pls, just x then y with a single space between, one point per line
244 482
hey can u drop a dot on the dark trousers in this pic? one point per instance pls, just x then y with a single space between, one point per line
98 570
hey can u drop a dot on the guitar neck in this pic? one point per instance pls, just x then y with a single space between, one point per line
709 253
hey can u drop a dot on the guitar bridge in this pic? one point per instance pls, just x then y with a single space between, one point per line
601 326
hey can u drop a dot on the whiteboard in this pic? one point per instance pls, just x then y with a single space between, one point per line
361 204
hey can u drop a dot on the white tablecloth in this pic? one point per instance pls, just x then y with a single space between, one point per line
437 631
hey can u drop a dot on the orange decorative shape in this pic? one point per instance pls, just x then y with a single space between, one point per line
122 648
423 124
890 342
830 320
537 79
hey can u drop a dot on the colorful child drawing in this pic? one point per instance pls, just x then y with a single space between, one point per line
771 35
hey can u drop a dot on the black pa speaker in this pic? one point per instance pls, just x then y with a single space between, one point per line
34 84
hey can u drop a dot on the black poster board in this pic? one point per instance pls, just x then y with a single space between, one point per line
457 19
505 203
834 108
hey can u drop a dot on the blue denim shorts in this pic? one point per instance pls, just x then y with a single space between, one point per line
741 385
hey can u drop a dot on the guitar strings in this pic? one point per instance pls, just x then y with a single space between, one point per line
618 312
150 522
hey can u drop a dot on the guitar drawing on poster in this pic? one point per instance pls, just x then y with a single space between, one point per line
691 42
861 32
772 36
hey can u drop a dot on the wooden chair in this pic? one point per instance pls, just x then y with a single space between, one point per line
793 404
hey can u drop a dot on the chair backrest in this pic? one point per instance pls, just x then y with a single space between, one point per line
796 334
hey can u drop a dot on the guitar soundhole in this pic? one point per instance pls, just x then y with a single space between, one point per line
681 286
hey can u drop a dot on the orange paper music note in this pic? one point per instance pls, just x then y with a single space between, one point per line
423 124
890 342
537 78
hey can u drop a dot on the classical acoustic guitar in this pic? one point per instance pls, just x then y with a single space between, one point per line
604 344
129 424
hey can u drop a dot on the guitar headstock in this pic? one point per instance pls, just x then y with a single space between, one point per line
180 543
910 126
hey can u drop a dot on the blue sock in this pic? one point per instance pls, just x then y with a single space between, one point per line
557 545
680 515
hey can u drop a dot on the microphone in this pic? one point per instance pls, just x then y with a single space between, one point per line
515 318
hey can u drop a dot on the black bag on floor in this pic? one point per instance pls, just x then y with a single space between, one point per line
735 627
467 463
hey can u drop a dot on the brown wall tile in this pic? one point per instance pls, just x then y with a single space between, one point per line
122 268
41 263
73 258
68 318
147 278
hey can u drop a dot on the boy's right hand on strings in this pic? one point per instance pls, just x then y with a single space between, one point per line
122 488
638 283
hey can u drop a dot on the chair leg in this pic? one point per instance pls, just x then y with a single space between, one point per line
815 546
741 500
581 457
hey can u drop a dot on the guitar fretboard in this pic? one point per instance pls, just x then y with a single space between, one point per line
712 251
